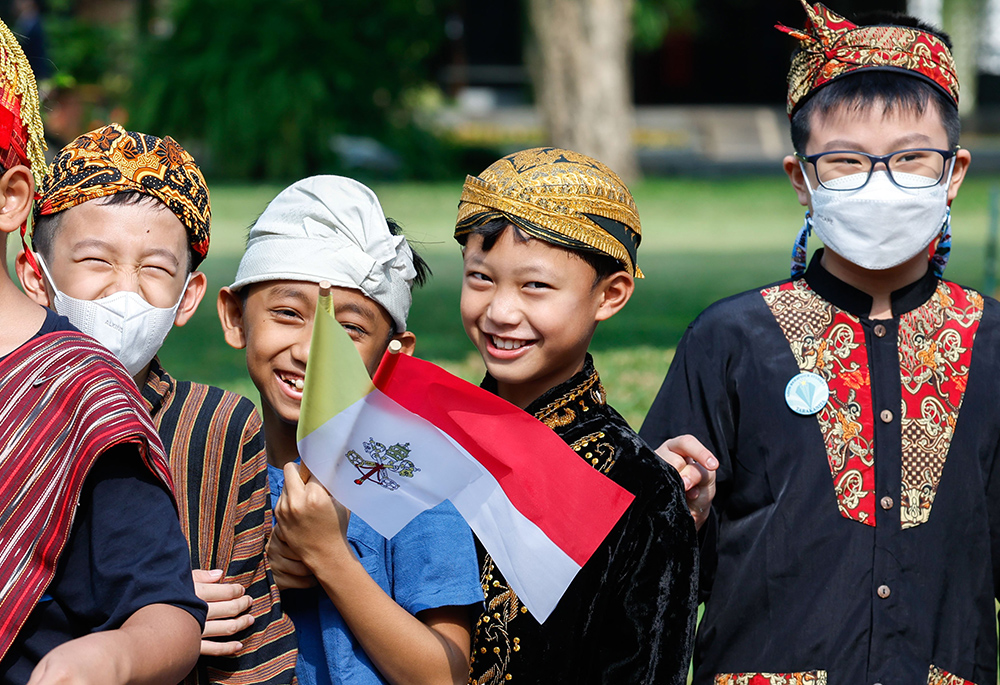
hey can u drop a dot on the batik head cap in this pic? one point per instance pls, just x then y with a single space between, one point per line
832 47
559 196
111 160
331 228
21 136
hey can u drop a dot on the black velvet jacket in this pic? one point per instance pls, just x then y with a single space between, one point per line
629 615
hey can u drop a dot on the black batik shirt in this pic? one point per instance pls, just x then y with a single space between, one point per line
858 544
628 616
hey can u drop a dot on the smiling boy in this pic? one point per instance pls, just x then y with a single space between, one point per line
366 609
121 227
853 407
549 240
95 585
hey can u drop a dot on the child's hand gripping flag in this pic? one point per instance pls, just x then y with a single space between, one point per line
417 435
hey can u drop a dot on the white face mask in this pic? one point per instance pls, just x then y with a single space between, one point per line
879 225
132 329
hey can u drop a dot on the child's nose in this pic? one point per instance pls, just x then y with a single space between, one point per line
504 309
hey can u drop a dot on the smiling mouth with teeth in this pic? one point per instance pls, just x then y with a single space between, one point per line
508 344
298 384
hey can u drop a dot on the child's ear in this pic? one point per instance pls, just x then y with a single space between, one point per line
409 341
230 307
615 291
32 283
17 190
794 170
962 160
191 298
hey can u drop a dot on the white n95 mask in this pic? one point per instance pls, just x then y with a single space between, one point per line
879 225
129 327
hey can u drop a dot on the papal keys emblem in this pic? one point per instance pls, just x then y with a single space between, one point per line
380 460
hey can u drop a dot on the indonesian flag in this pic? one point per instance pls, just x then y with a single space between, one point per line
392 447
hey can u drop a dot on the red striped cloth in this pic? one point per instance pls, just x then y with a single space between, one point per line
64 401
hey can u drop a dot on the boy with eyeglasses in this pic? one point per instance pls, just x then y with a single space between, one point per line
855 525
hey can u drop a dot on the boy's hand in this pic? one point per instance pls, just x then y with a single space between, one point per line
87 660
226 602
697 467
310 521
286 566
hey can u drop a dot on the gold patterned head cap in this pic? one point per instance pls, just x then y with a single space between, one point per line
830 47
559 196
111 160
21 137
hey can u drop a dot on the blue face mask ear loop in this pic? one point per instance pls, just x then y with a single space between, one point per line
800 248
943 250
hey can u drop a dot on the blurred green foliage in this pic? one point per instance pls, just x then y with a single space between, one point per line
265 85
653 19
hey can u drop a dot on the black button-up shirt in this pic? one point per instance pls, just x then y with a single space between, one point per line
793 585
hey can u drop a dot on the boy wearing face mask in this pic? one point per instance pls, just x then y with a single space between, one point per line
852 408
121 225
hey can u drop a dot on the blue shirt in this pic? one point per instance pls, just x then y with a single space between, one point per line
431 563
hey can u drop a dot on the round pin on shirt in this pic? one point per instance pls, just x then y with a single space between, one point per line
806 393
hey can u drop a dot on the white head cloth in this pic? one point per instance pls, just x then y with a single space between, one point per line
331 228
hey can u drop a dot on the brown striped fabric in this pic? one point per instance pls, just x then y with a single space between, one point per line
64 401
215 448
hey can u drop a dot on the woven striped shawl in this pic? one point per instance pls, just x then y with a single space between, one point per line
64 401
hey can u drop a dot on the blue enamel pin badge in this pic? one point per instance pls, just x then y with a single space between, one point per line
806 393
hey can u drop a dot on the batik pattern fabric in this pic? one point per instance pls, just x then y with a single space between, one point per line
935 352
215 449
22 139
64 401
628 616
558 196
111 160
939 676
831 343
804 678
831 47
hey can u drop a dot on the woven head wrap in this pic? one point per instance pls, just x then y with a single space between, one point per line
559 196
21 136
831 47
331 228
111 160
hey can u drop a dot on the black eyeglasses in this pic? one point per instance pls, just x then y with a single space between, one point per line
850 169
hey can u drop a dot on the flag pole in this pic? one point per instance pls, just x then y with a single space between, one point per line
388 364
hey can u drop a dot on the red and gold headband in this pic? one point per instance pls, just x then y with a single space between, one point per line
21 137
831 47
112 160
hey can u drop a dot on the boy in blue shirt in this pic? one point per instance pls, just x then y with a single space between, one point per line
366 609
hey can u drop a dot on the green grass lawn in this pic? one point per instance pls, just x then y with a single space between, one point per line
702 240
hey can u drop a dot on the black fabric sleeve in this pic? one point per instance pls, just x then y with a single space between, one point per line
695 398
127 550
653 622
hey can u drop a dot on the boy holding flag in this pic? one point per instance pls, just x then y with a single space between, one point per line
549 241
385 610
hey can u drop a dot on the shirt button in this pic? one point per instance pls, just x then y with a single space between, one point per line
879 330
887 503
883 591
886 416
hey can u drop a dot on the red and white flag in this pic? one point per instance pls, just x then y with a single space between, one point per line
417 435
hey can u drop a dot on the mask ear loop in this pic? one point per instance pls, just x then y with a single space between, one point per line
28 253
939 261
800 247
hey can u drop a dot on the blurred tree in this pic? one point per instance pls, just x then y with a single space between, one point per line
266 85
579 59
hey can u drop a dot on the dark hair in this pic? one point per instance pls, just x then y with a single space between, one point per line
46 227
602 264
419 265
890 89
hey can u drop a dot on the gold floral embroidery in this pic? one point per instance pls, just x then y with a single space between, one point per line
492 635
559 413
803 678
935 349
